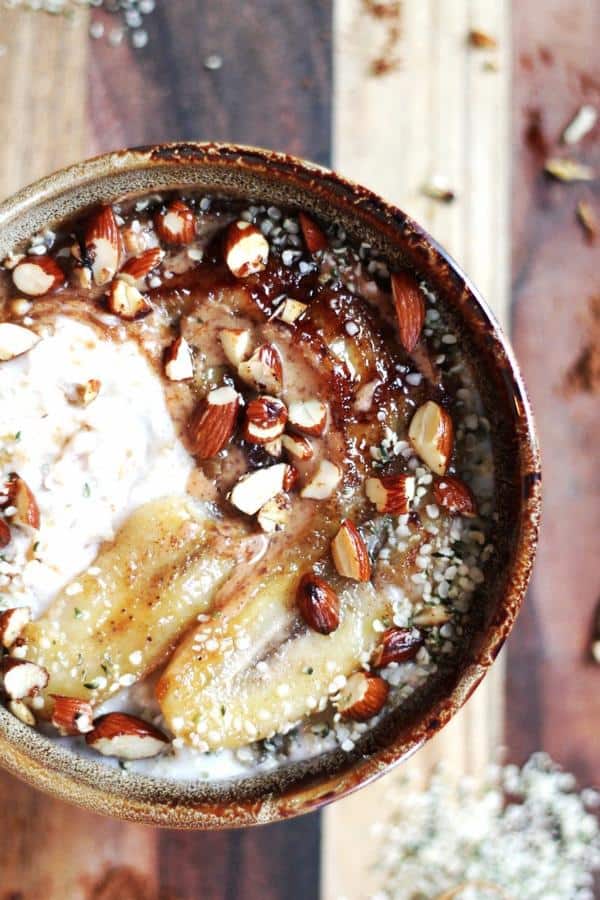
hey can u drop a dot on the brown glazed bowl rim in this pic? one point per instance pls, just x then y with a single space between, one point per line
94 785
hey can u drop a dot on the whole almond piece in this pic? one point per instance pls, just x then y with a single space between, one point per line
264 369
350 554
265 420
103 245
318 604
20 496
391 493
455 496
12 623
125 301
71 715
179 365
15 340
126 737
410 309
176 224
22 678
363 696
212 422
38 275
139 266
246 249
431 434
397 645
314 237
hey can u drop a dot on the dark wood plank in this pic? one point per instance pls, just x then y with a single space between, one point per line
274 90
553 696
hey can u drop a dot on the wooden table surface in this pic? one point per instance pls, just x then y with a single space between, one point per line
296 77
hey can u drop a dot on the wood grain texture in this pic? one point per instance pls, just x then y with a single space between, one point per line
67 97
440 112
553 685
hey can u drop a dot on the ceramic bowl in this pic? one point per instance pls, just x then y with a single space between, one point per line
300 787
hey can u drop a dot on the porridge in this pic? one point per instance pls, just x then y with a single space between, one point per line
246 486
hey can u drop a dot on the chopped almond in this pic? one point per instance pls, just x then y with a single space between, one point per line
350 554
176 224
103 245
179 365
138 267
15 340
87 392
254 490
246 249
125 301
12 623
308 416
363 696
265 420
391 493
212 423
235 343
314 237
264 369
37 276
323 483
71 715
20 496
5 535
297 445
22 678
455 496
21 711
275 514
431 434
431 616
290 311
126 737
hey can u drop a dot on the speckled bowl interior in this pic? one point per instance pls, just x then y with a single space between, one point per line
300 787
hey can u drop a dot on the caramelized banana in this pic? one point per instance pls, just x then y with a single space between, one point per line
229 683
121 618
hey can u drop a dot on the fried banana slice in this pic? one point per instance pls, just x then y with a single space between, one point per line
121 618
229 683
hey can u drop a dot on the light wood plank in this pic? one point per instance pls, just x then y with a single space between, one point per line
440 113
50 849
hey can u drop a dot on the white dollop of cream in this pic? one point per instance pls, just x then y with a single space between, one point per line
88 467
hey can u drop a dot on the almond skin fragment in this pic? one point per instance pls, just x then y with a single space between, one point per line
38 276
308 416
212 423
297 445
20 496
391 493
5 535
290 477
179 365
12 623
264 369
397 645
254 490
363 696
431 434
126 737
15 340
71 715
138 267
176 224
235 343
246 249
265 420
323 483
125 301
103 245
22 678
410 309
455 496
318 604
350 554
314 238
